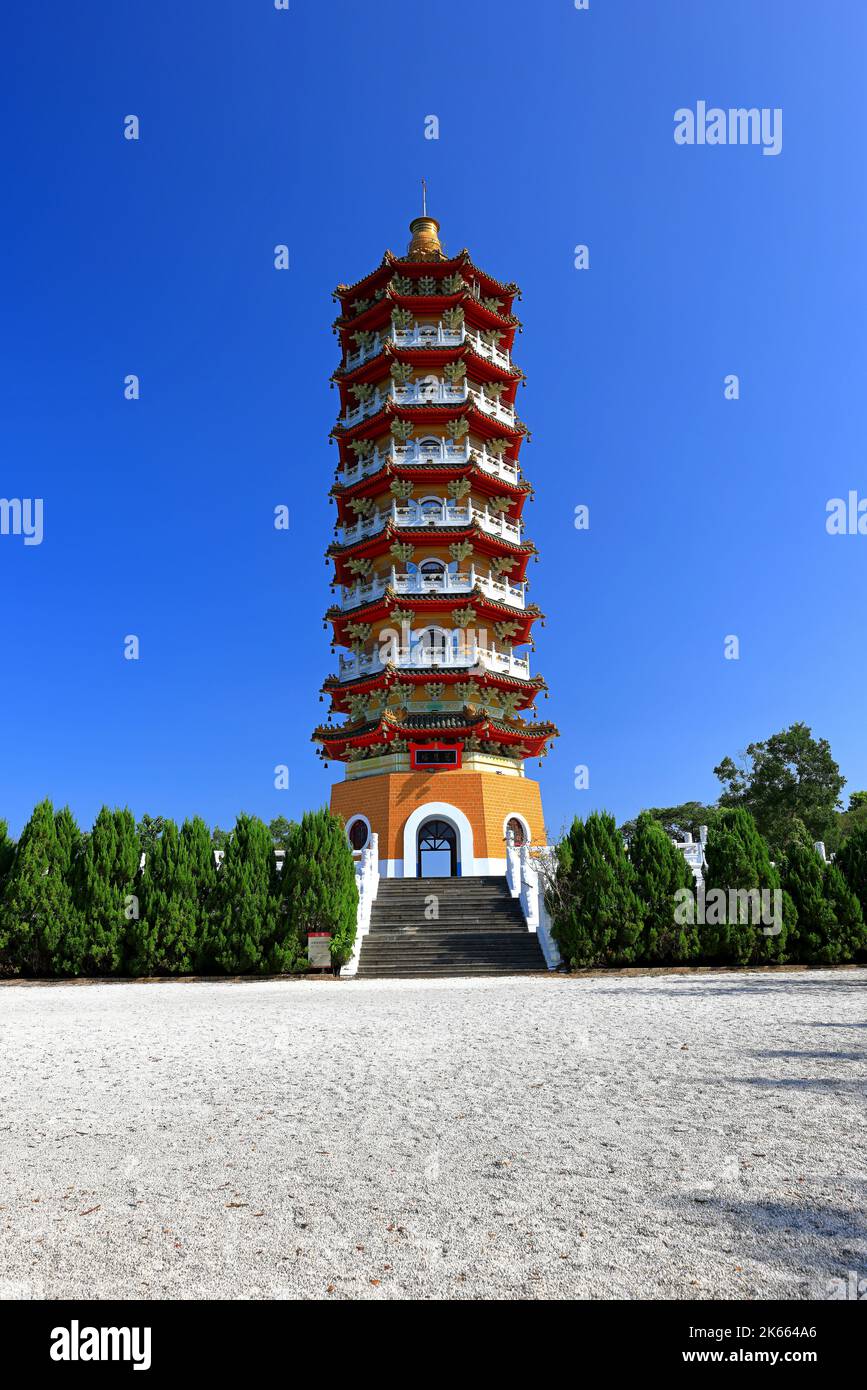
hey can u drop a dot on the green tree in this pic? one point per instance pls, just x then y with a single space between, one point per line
149 828
676 821
164 937
105 878
36 909
318 884
660 872
852 863
738 861
198 850
788 775
244 922
847 821
281 831
7 852
596 912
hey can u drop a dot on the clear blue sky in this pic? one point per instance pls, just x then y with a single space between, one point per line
260 127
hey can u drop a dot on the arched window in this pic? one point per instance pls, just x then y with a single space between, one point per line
359 833
432 573
519 834
430 447
433 646
431 509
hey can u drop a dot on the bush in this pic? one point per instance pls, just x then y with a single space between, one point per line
164 938
852 863
104 877
36 908
596 913
661 872
738 859
318 886
244 922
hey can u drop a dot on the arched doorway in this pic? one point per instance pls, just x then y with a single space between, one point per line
437 850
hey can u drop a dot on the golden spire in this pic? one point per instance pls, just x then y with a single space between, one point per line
425 244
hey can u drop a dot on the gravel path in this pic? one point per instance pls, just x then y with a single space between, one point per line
673 1136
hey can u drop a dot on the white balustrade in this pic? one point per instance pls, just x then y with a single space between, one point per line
448 582
418 516
427 335
428 391
420 655
494 354
367 883
493 407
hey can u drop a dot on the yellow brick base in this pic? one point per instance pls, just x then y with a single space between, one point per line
477 803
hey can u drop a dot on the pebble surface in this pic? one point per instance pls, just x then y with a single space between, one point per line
666 1136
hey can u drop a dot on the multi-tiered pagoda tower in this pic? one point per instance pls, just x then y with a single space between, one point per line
435 694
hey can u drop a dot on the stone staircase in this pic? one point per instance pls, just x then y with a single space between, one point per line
479 930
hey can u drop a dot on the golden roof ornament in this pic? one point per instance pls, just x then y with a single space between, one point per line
425 244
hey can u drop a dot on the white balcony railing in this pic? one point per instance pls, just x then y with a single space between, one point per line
467 655
448 582
428 390
506 413
427 335
429 513
431 451
493 354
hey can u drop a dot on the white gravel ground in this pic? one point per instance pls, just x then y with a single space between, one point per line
674 1136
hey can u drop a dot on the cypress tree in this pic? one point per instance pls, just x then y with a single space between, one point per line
318 885
246 904
164 939
324 895
36 911
738 859
597 915
7 853
803 878
105 879
661 872
850 937
852 862
198 852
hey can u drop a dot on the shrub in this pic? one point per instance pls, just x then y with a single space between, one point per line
852 862
319 883
738 858
661 871
596 913
246 902
36 907
104 879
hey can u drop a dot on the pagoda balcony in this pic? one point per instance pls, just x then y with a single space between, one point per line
493 354
428 391
467 654
431 513
464 582
432 451
427 335
505 413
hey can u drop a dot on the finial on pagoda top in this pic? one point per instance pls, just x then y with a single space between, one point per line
425 244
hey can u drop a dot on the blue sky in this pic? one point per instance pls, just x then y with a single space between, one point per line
306 127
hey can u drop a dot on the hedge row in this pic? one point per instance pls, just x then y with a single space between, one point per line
616 903
118 901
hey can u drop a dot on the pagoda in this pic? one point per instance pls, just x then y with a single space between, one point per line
434 693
